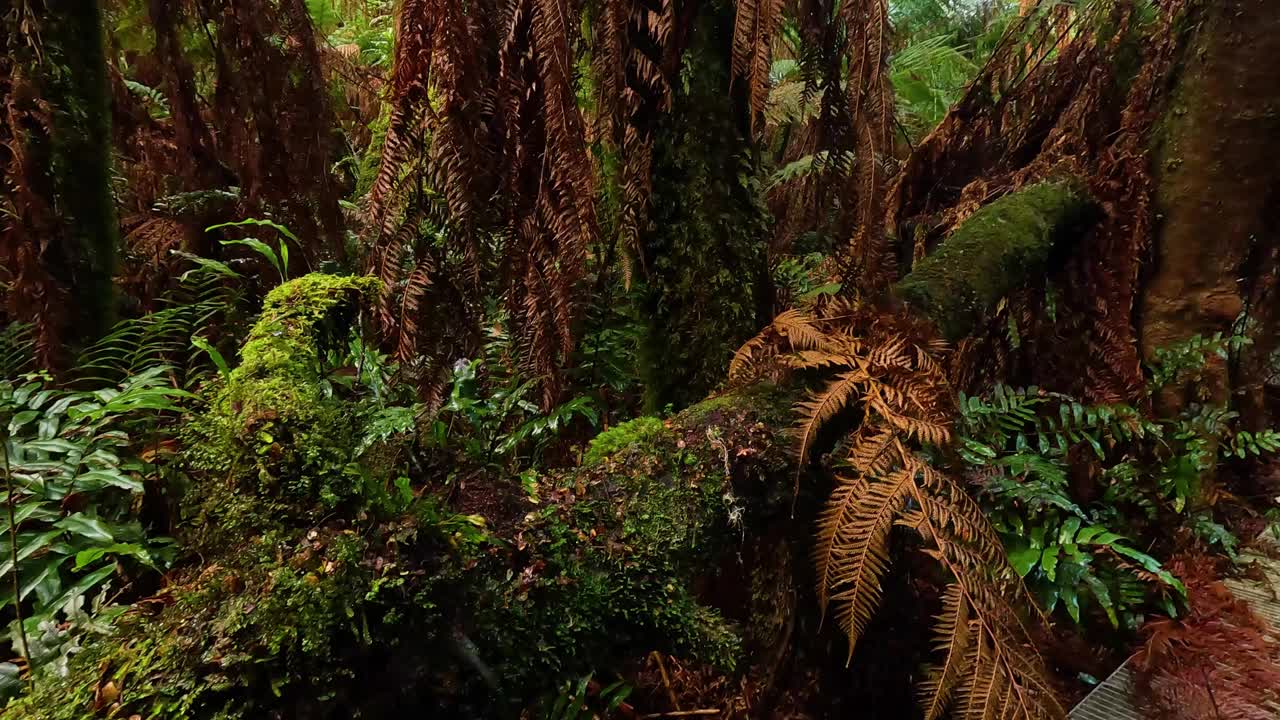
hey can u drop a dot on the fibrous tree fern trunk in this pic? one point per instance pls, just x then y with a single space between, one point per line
60 234
705 280
1218 173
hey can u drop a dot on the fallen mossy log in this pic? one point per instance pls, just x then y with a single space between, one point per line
312 591
311 595
992 253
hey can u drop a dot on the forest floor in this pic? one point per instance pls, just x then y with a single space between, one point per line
1118 697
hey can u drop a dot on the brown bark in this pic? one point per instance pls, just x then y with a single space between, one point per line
1218 169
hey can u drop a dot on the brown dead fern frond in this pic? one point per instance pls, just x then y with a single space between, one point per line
988 668
755 24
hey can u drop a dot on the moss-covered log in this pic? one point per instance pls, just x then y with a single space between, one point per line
992 253
311 591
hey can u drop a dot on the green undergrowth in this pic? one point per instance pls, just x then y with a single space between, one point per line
324 580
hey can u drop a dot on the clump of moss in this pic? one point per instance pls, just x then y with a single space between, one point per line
989 254
272 427
638 431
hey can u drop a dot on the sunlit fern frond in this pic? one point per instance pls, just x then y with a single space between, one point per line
892 406
858 556
874 453
795 326
988 668
818 359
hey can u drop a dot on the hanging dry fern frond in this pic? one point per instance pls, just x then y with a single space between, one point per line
868 262
989 667
754 26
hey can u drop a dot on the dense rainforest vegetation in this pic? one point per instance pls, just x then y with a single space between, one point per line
636 358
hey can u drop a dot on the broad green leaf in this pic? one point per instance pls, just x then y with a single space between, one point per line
83 585
46 572
87 557
1088 533
261 248
215 266
1071 600
260 222
97 479
26 511
1103 595
1024 560
87 527
28 545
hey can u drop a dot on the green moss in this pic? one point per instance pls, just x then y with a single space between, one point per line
992 253
638 431
274 427
356 613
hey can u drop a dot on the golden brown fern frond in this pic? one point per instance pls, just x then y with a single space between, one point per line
857 554
989 669
818 410
795 326
874 454
952 639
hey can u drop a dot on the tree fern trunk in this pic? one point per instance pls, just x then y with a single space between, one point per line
74 80
1218 169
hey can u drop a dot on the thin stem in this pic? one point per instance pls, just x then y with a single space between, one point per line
13 546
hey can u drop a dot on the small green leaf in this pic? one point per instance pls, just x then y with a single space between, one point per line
1067 533
218 361
1049 562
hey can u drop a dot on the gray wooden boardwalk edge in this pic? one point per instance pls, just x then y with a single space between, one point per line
1115 699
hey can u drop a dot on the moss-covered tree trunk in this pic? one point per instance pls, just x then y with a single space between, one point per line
74 81
706 286
1218 169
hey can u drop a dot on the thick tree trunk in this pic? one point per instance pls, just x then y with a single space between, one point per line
706 286
1218 169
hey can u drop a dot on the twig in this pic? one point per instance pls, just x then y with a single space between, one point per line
682 713
666 682
13 547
